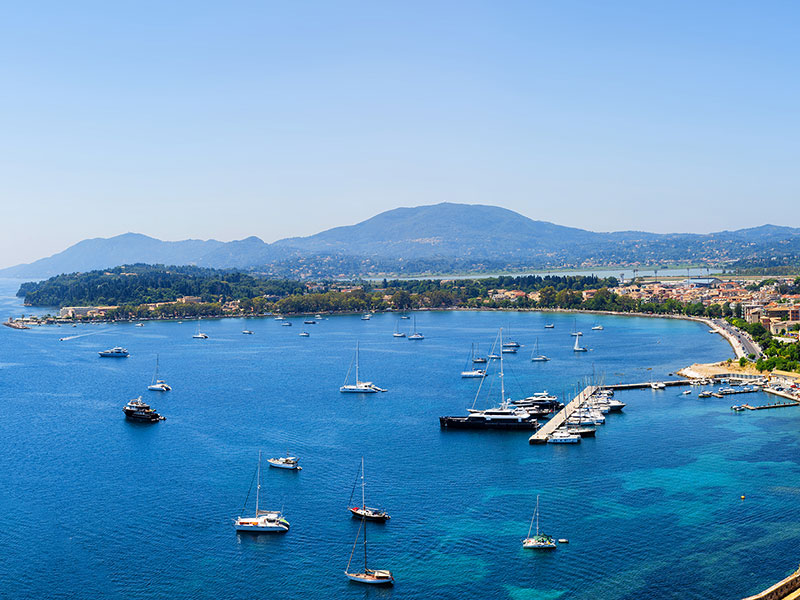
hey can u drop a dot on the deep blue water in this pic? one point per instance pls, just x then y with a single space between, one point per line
94 506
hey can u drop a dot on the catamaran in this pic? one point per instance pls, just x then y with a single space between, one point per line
158 385
540 541
359 387
369 576
264 521
364 511
535 356
200 336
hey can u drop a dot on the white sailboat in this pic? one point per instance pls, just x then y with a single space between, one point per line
198 335
359 387
416 335
577 347
535 356
540 541
397 333
158 385
264 521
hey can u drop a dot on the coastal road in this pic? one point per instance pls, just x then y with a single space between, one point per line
750 347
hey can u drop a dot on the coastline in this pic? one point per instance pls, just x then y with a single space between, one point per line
734 343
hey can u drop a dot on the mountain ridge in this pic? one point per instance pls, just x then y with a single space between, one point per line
424 238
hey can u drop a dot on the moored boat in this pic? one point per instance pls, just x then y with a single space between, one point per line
285 462
264 521
364 511
116 352
136 410
158 385
359 387
539 541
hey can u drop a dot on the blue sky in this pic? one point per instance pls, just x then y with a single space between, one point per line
210 119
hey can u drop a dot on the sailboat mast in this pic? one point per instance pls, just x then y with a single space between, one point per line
363 502
364 518
502 383
537 515
258 486
356 363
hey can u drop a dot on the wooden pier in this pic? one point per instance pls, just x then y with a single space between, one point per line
540 437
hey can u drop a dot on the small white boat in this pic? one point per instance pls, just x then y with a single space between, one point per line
687 392
200 336
137 325
286 324
562 436
577 347
597 328
318 316
540 541
264 521
509 350
657 385
285 462
473 373
158 385
366 317
247 332
305 334
549 326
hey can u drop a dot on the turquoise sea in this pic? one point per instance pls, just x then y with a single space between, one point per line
95 507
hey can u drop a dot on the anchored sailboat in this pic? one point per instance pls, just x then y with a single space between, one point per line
540 541
359 387
577 347
158 385
264 521
397 333
416 335
535 356
364 511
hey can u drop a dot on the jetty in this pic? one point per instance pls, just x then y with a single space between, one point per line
540 437
786 589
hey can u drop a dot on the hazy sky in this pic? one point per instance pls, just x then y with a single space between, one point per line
228 119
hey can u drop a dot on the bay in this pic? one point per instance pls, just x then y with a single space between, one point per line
94 506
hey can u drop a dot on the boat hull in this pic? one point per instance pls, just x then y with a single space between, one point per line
369 515
276 465
371 578
467 423
351 389
276 528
